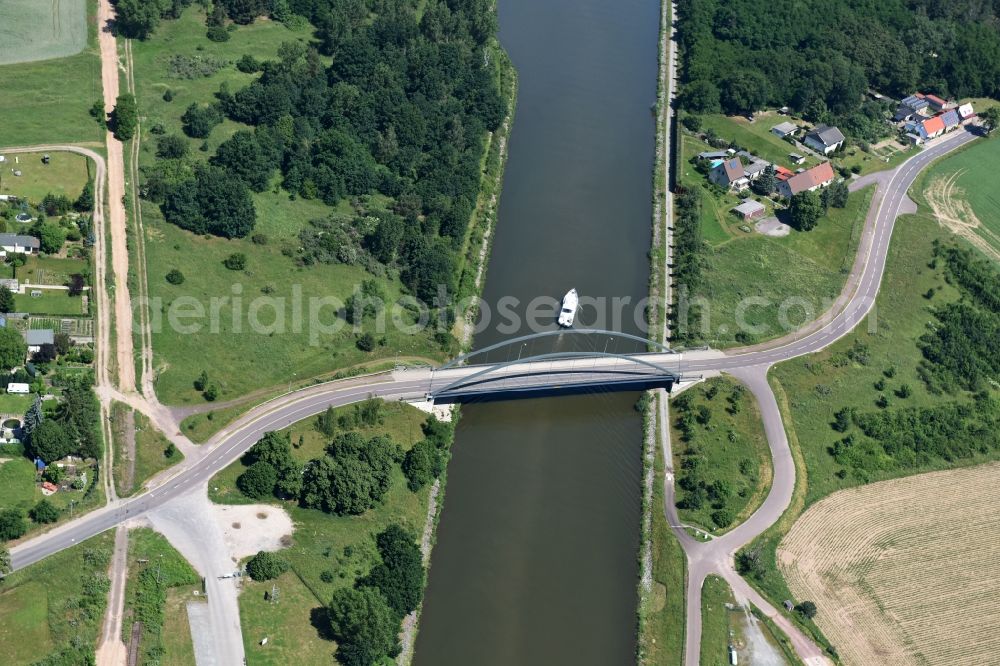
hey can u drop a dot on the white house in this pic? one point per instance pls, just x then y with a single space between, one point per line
18 244
825 139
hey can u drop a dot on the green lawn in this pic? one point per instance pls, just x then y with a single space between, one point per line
809 267
172 570
756 137
716 221
19 490
150 448
49 101
15 403
237 358
56 603
715 624
662 632
965 169
50 302
65 174
178 648
341 545
731 448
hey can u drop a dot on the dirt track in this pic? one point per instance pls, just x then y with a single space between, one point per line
117 220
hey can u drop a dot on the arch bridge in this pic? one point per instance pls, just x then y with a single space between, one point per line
555 372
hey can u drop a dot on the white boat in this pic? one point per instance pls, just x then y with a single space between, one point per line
569 304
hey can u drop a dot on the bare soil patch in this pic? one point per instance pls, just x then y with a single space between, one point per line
904 571
252 527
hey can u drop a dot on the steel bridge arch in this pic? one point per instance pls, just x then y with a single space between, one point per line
468 379
459 360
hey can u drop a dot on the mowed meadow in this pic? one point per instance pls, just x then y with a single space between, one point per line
181 59
905 571
50 72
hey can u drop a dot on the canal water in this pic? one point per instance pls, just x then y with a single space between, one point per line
537 547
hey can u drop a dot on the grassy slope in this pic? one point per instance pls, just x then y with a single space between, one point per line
981 193
175 572
48 101
756 137
36 616
803 265
242 361
721 457
715 594
319 545
662 634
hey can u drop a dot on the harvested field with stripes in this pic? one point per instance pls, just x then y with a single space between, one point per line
904 571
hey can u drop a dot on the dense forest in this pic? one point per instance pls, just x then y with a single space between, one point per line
820 57
402 111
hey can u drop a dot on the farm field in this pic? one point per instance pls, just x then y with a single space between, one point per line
48 101
65 174
904 571
809 267
730 452
962 200
56 605
34 30
327 551
180 58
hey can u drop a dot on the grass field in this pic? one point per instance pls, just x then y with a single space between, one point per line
731 448
904 571
661 630
50 302
55 603
15 404
341 545
18 490
239 362
35 30
962 200
65 174
715 621
178 648
756 137
791 280
172 571
150 448
49 101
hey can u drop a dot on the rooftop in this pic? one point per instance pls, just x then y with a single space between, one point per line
810 178
8 240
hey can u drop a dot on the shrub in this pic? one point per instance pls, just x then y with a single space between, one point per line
258 480
44 512
235 262
175 277
266 566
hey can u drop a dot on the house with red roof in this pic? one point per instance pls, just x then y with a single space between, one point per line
819 176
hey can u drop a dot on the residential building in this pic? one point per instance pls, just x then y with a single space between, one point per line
824 139
966 113
36 337
819 176
785 129
929 128
749 209
18 244
729 173
935 103
951 120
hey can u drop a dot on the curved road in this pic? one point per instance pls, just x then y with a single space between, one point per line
750 364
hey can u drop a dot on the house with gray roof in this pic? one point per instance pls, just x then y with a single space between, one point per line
729 173
19 244
36 337
824 139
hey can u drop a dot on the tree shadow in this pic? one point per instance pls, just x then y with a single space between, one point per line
319 618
